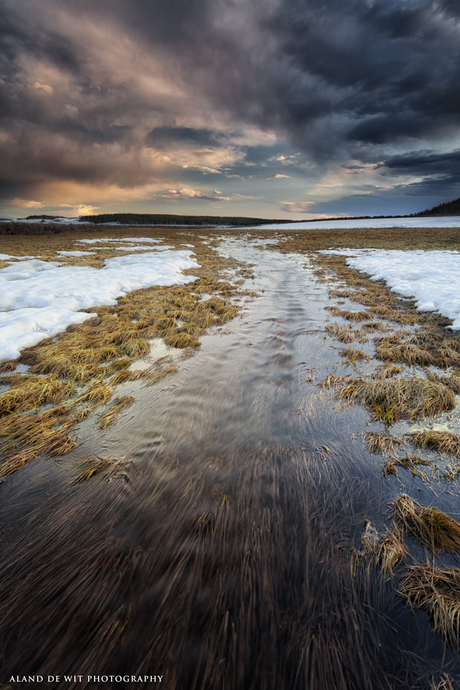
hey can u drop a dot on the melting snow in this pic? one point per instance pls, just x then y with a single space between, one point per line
39 299
432 278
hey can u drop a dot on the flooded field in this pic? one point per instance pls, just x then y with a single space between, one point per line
218 553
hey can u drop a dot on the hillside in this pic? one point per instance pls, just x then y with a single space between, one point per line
449 208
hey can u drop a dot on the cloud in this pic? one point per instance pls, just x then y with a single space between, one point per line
138 95
25 203
297 206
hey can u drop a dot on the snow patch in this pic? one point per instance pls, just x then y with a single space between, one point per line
39 299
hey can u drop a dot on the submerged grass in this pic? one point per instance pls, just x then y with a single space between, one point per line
343 335
437 592
119 404
390 551
432 528
351 355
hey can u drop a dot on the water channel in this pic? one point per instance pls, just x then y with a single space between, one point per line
218 555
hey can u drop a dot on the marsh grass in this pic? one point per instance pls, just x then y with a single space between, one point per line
351 355
77 370
343 335
445 683
390 551
387 371
117 407
395 399
93 466
332 381
27 392
349 315
423 349
437 592
410 463
432 528
382 443
440 441
25 437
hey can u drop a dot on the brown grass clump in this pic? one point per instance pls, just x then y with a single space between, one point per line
343 335
437 592
28 392
117 407
452 382
432 528
441 441
426 348
349 315
374 326
25 437
445 683
403 398
390 551
6 367
93 466
409 462
332 381
382 444
387 371
352 355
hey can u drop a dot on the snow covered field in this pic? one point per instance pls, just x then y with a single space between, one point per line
430 222
432 278
39 299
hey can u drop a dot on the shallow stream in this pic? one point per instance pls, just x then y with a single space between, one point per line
218 555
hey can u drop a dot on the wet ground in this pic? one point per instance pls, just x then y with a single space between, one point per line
217 556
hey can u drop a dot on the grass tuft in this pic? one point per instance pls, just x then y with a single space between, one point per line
441 441
343 335
352 355
437 592
382 444
404 398
390 551
432 528
119 404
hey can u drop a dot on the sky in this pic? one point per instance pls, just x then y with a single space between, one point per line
282 109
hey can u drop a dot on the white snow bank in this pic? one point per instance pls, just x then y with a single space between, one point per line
119 239
432 278
39 299
429 222
75 253
142 248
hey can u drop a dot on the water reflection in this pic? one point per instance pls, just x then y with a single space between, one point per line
217 555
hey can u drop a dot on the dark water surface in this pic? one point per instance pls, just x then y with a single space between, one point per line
217 556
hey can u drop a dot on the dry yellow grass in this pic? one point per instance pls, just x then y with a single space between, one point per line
118 405
432 528
441 441
403 398
437 592
351 355
343 335
382 443
390 551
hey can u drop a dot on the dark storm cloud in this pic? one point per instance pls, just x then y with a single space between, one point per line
438 174
163 136
335 80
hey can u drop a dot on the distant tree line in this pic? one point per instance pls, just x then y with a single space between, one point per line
168 219
449 208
